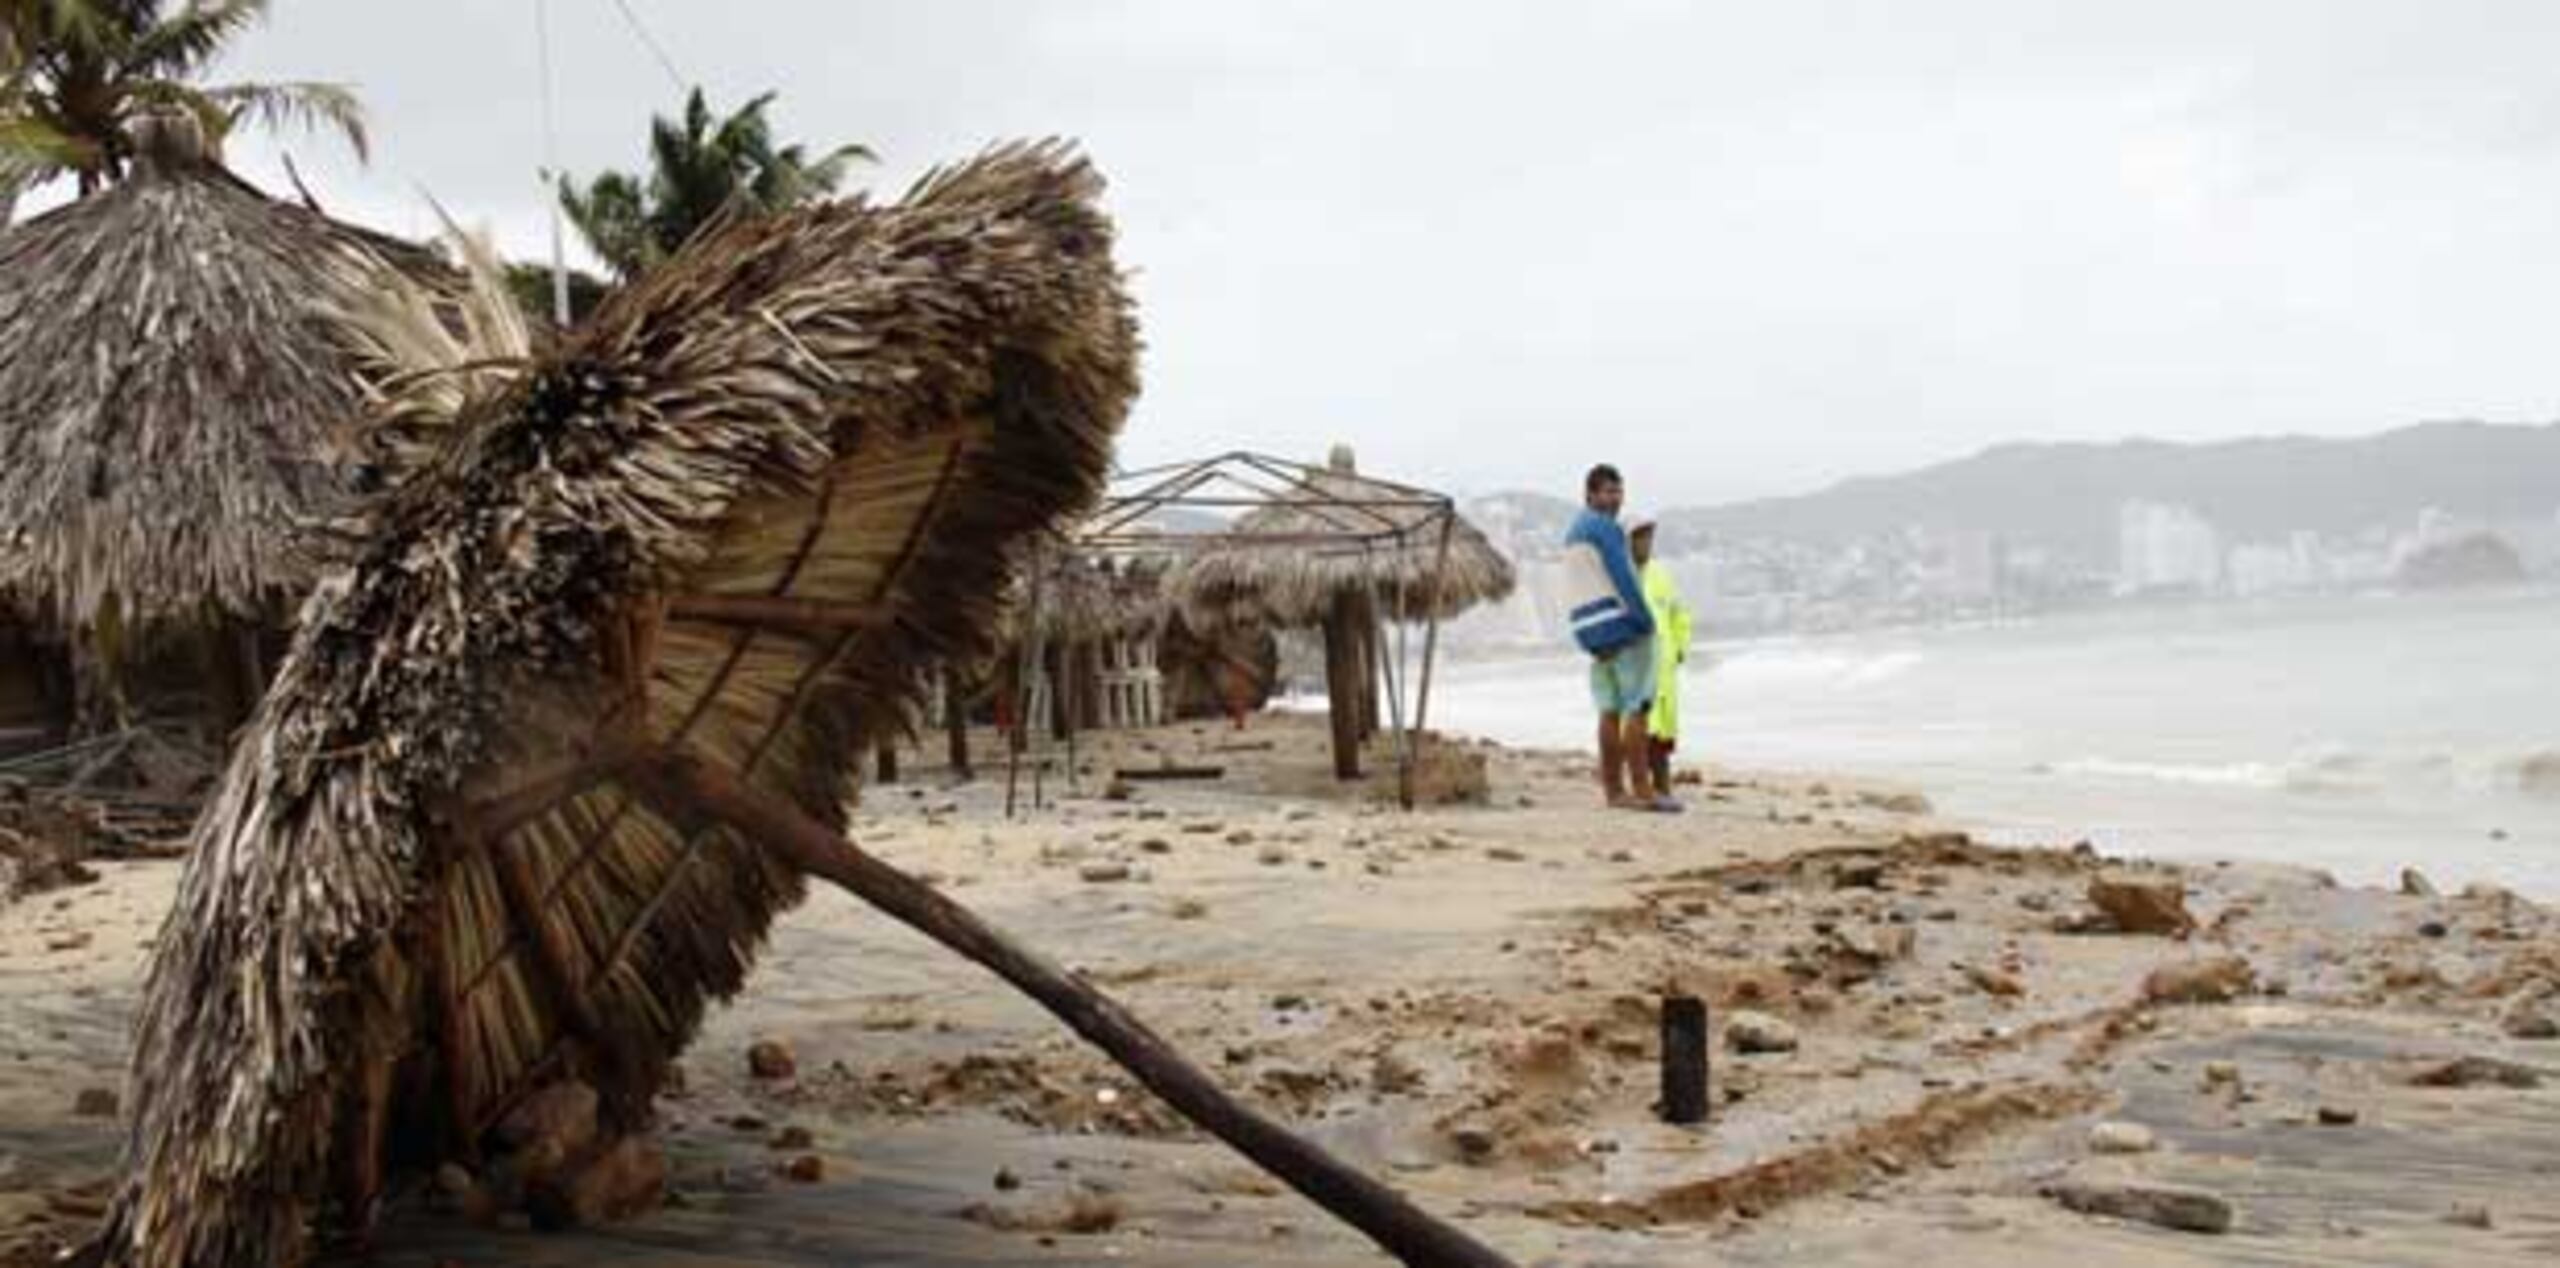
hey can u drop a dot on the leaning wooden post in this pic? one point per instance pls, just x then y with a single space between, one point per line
1394 1223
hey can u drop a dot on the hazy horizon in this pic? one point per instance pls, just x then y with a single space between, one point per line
1754 249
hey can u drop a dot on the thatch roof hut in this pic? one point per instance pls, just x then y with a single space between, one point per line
1086 599
710 536
1339 552
1285 564
178 406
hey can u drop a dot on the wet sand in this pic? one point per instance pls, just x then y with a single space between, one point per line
1464 1000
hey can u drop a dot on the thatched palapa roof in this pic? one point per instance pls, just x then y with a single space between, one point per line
1282 564
1085 599
176 406
720 526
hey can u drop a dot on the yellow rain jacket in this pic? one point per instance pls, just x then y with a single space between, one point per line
1670 647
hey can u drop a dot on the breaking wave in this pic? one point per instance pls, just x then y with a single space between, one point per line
2342 771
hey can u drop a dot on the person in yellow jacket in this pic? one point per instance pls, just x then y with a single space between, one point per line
1670 650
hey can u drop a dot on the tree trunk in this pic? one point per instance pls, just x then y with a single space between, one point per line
887 761
1395 1224
1342 678
955 720
1060 659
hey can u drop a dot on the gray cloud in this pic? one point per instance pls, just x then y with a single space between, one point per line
1739 247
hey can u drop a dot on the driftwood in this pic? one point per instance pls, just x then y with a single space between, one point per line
1399 1227
1142 774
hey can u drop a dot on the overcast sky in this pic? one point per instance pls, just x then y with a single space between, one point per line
1740 248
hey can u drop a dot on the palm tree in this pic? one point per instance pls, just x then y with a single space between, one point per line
75 73
700 166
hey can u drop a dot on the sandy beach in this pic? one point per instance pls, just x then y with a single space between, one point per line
1951 1063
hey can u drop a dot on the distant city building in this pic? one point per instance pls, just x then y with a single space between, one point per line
2165 547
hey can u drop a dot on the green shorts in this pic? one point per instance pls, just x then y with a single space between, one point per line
1622 681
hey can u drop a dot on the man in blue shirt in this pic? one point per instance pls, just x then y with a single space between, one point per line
1605 603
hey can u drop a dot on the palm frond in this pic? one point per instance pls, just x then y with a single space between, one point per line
33 151
183 43
312 106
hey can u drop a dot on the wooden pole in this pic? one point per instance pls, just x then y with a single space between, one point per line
1431 628
955 720
1341 670
1386 1216
887 761
1684 1059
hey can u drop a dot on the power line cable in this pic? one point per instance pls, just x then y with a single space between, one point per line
649 41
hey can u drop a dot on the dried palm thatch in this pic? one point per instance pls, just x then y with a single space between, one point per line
720 525
1282 565
1084 599
177 408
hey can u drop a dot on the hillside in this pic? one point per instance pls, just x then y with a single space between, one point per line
2066 495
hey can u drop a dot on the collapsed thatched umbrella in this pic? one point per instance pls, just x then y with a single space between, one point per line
178 407
545 762
1339 552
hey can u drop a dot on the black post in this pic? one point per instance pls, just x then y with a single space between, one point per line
1684 1059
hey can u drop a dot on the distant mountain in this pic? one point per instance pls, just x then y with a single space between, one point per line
2067 495
2038 526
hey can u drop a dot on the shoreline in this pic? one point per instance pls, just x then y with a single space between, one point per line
1462 1000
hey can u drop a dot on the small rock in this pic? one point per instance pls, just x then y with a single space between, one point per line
1858 876
1119 790
1505 854
771 1059
1752 1032
1241 836
2529 1016
1271 856
1155 845
1992 981
2142 904
2478 1071
1475 1144
2432 929
629 1177
805 1169
2467 1215
2122 1138
554 1126
1102 873
2214 980
2221 1073
2187 1210
95 1102
2336 1116
792 1138
2415 884
1006 1180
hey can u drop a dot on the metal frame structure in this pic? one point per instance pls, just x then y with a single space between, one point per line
1128 524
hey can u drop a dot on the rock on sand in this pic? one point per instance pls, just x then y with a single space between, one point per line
2142 904
2214 980
2187 1210
1750 1032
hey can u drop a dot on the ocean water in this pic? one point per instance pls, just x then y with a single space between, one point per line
2359 735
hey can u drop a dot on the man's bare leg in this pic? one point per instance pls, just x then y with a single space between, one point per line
1613 759
1634 741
